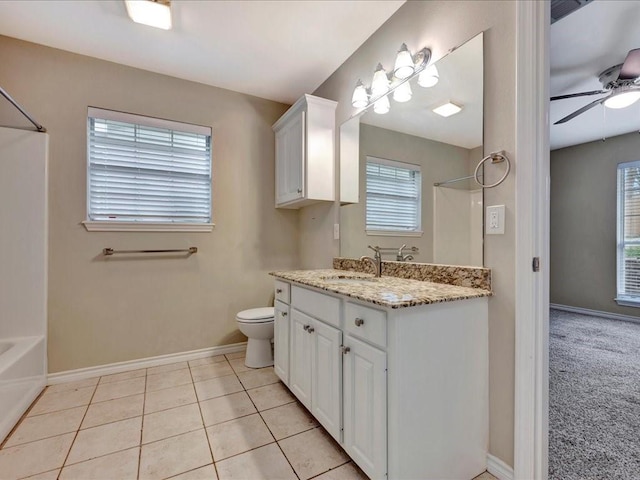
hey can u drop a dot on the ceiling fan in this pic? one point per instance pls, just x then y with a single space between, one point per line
620 82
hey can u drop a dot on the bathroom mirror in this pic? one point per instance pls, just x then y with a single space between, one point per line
403 153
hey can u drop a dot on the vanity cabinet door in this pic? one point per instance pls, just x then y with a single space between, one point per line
300 358
281 342
365 406
326 388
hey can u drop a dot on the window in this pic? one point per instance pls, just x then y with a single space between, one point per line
393 197
147 174
628 234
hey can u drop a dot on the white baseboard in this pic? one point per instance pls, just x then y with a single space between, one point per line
595 313
498 468
91 372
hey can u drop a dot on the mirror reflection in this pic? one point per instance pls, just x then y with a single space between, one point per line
416 168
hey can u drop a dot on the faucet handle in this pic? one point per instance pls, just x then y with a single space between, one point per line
375 249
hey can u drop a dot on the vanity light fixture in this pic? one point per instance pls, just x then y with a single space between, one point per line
447 109
429 77
155 13
406 67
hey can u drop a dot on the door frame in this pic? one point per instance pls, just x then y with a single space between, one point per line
531 413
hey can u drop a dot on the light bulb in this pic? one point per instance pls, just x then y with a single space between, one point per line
402 93
153 13
428 77
404 67
382 106
447 109
622 100
380 83
360 99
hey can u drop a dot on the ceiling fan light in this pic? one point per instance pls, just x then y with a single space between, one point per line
154 13
447 109
429 77
382 106
360 99
404 67
622 100
402 93
380 83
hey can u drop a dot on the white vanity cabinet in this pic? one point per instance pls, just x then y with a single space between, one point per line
281 337
305 153
404 391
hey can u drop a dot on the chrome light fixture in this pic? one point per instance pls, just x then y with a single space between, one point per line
155 13
406 67
625 98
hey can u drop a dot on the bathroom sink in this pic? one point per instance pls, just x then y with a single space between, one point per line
349 280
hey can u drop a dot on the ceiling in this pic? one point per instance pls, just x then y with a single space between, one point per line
582 45
271 49
460 82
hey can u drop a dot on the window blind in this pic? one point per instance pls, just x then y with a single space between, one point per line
629 232
143 169
393 195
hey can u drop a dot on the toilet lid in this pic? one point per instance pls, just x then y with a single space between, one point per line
256 314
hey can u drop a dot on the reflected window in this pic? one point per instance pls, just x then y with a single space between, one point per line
393 197
628 264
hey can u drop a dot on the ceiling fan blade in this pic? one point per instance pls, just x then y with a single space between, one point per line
580 111
582 94
631 67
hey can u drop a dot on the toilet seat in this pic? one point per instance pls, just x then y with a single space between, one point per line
256 315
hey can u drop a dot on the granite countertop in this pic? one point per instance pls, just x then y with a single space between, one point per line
386 291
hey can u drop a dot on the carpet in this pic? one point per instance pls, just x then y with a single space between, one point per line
594 398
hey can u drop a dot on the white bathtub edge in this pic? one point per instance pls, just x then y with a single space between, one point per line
111 368
14 416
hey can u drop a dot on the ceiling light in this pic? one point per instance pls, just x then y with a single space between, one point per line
429 77
360 99
380 82
155 13
404 63
622 100
402 93
447 109
382 106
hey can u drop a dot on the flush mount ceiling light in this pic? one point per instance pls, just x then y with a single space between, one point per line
447 109
406 67
155 13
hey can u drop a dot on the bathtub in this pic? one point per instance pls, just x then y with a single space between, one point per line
22 378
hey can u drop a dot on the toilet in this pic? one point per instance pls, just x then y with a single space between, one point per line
257 325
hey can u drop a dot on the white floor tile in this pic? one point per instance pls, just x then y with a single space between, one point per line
50 475
240 354
174 455
61 400
205 372
169 398
167 368
238 365
207 361
312 453
64 387
168 423
289 419
168 379
113 410
238 436
264 463
271 396
258 378
228 407
117 377
123 388
47 425
208 472
348 471
98 441
216 387
35 457
120 465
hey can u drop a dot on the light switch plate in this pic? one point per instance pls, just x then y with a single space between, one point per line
494 221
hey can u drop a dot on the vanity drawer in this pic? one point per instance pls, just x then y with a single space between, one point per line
318 305
366 323
282 291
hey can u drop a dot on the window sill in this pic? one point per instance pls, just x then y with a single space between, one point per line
628 302
391 233
92 226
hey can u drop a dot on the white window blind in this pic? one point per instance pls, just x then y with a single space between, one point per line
393 196
143 169
628 233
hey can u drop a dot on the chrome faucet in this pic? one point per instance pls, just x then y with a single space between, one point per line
376 261
404 258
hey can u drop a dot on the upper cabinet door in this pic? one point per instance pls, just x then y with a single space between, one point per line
305 153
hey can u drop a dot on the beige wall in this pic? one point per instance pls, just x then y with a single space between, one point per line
440 26
103 311
583 222
439 161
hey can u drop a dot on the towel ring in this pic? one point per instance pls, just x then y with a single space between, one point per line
496 157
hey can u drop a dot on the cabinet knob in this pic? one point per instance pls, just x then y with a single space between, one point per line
278 290
345 350
284 314
359 322
299 190
311 329
306 327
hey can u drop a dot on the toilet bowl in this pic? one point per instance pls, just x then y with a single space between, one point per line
257 325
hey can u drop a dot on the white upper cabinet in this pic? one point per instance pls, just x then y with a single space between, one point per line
305 164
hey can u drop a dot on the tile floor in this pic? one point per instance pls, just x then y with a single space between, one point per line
211 418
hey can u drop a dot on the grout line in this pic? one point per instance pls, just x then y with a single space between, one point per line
206 434
332 468
144 402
